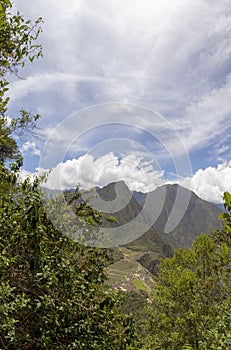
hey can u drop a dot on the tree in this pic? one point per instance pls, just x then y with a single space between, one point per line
9 151
17 44
18 39
191 302
8 146
52 290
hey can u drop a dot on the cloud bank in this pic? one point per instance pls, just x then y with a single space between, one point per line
209 183
89 172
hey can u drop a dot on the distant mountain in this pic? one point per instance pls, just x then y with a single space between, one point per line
190 216
131 212
172 214
199 216
147 227
220 206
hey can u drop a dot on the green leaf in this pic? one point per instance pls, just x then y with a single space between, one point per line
227 198
224 249
223 216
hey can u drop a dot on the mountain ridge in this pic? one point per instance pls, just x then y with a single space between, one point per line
199 216
196 217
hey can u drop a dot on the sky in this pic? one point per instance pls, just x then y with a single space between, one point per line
130 90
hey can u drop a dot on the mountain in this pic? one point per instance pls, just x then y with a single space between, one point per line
122 205
192 215
170 214
173 216
170 217
220 206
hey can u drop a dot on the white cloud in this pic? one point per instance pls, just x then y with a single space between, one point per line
89 172
210 183
171 56
24 174
209 118
45 82
31 148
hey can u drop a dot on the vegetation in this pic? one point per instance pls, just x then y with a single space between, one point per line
52 290
17 44
53 293
191 301
136 303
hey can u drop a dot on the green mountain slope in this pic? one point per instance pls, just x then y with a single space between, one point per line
200 216
138 258
131 212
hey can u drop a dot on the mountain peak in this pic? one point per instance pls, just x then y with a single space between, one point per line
114 189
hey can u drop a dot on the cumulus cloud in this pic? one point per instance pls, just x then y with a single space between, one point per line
89 172
31 148
210 183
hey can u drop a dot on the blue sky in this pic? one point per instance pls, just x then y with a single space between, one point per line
136 90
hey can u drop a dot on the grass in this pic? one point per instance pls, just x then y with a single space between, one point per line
140 285
123 267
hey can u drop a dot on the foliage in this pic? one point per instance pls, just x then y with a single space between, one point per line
191 302
135 303
8 146
17 43
9 150
52 291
